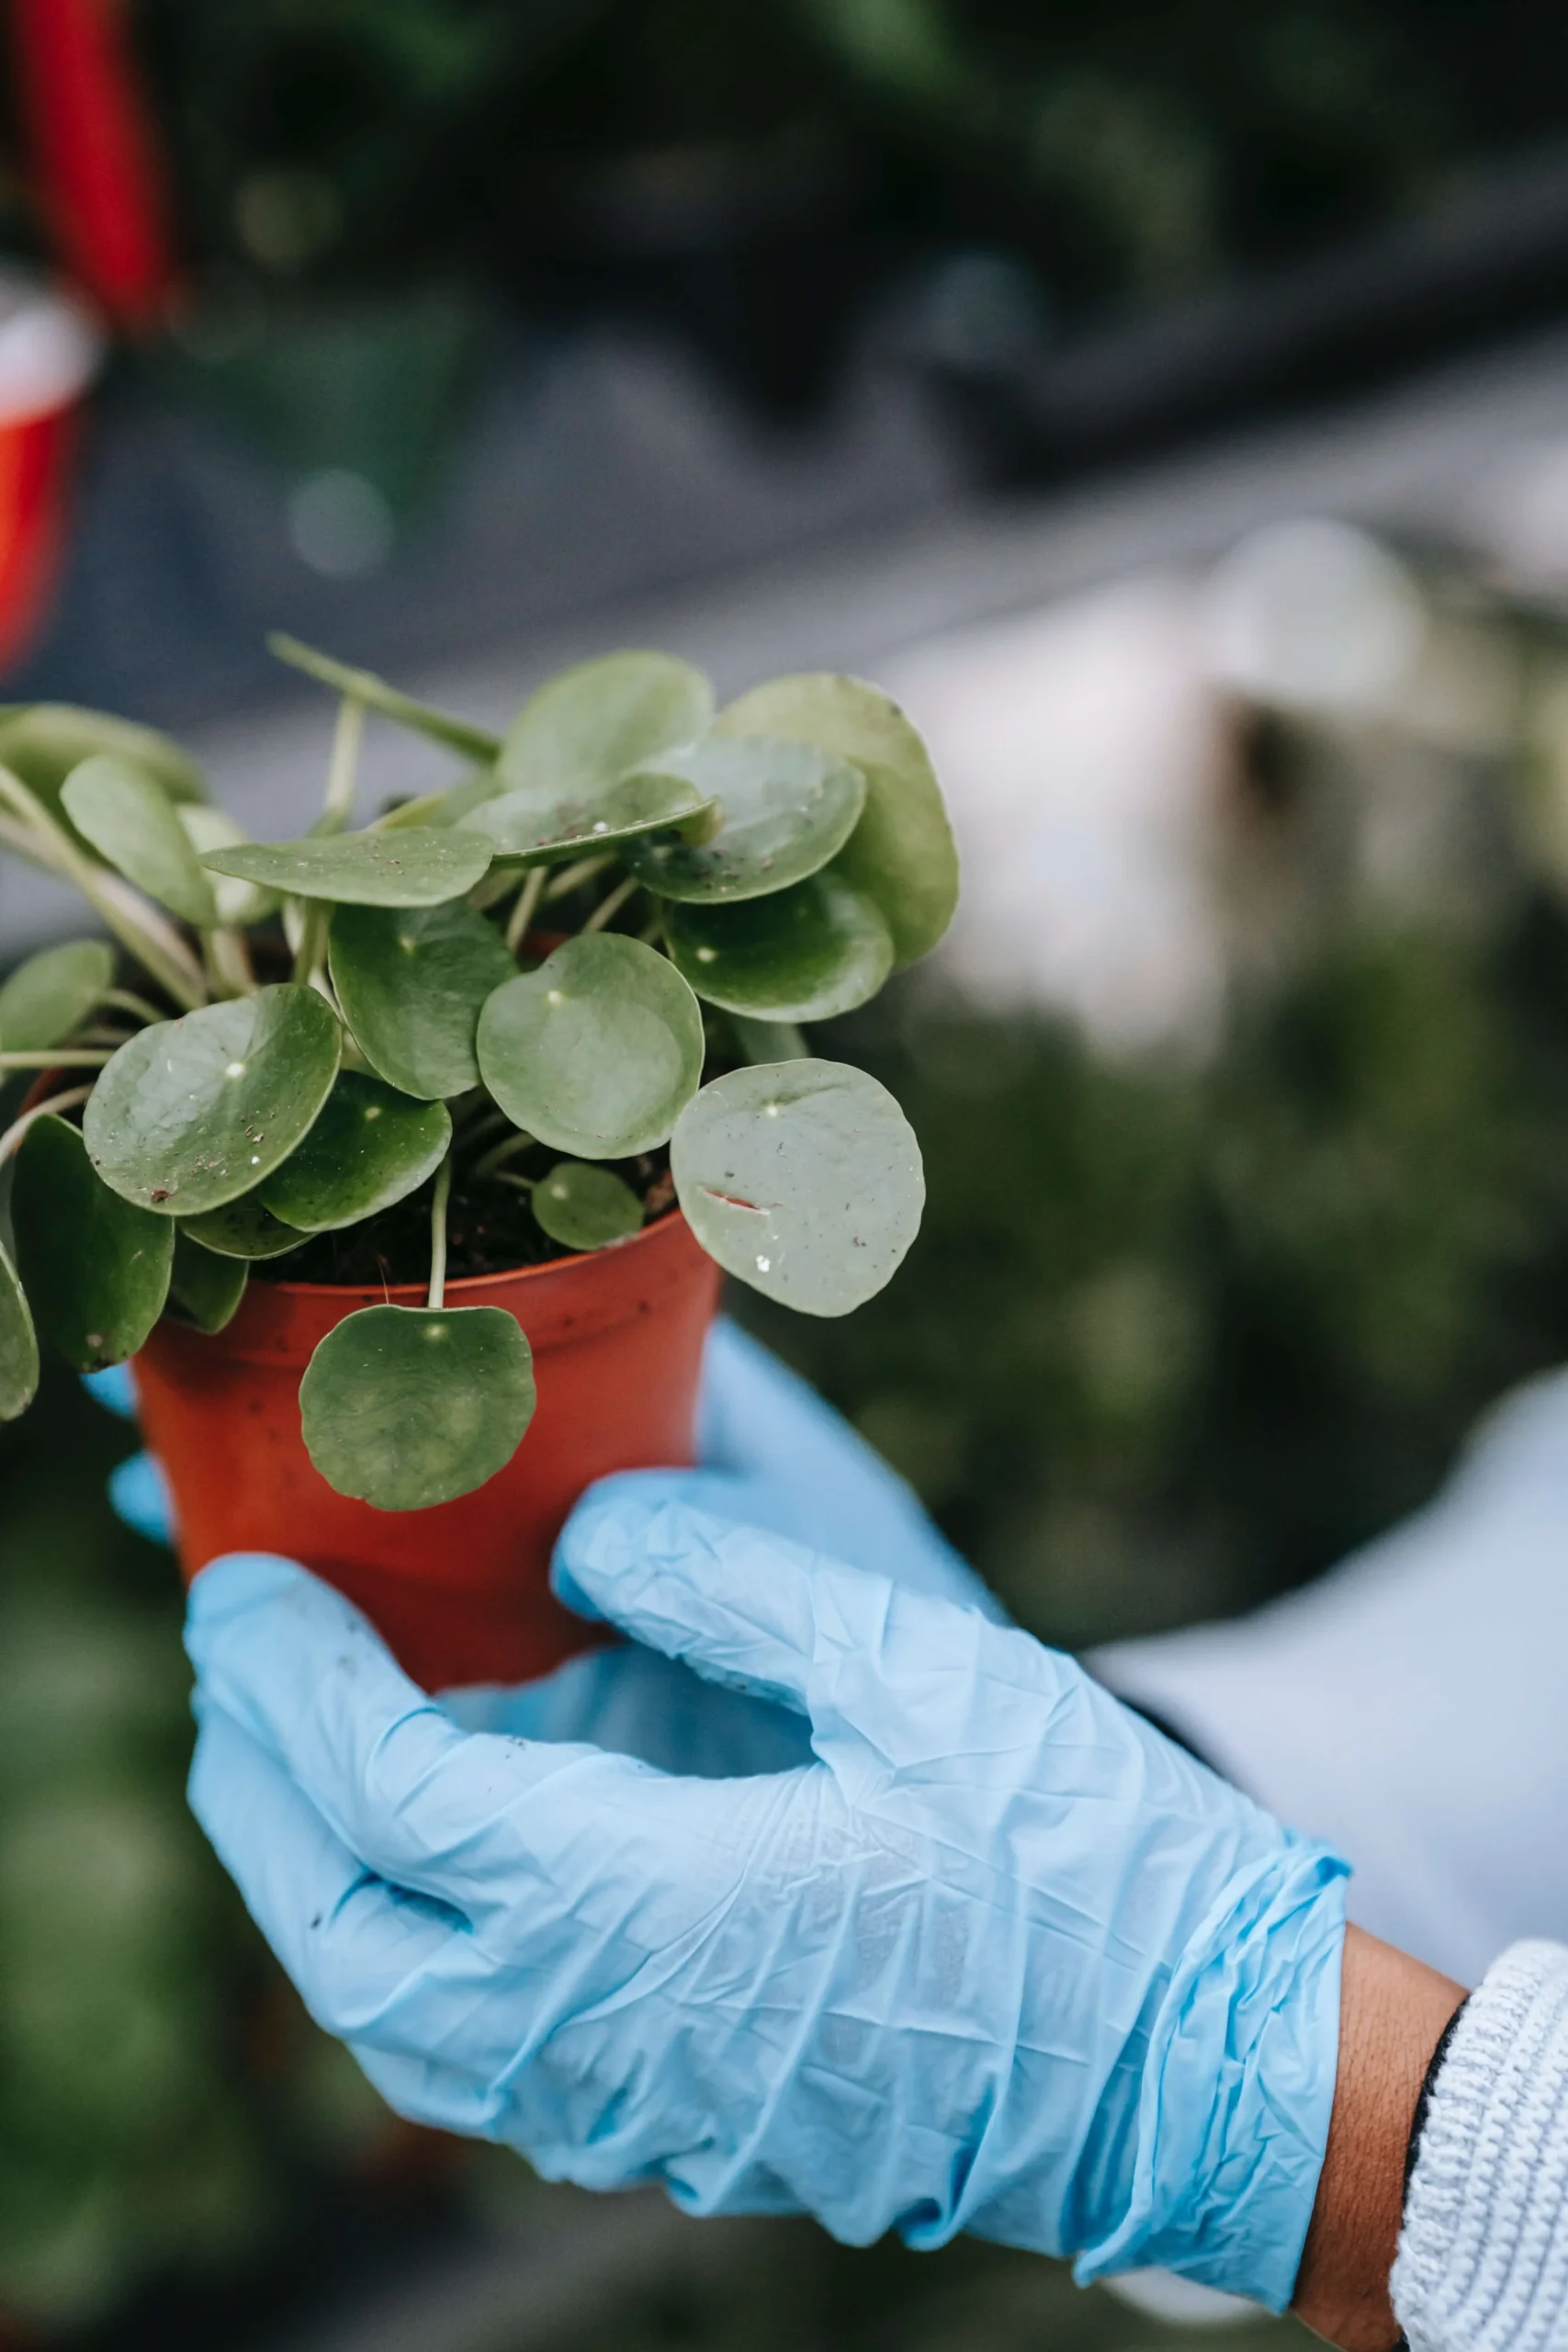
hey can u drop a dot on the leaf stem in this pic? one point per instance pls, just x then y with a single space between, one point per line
343 768
59 1057
127 1001
71 1100
527 907
143 933
608 909
311 954
437 1296
377 695
572 877
228 959
499 1154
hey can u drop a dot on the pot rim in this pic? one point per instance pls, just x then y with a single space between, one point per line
468 1283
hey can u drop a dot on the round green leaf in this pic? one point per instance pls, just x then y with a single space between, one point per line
787 810
536 828
596 1052
127 817
191 1113
18 1345
803 1179
406 1407
244 1228
901 853
418 865
95 1270
370 1147
43 742
411 981
803 954
585 1207
53 993
206 1288
238 903
599 720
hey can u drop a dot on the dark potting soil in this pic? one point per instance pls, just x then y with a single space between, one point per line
489 1231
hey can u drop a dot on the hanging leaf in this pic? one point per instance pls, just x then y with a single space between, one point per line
240 904
538 828
410 982
363 685
95 1270
244 1228
206 1289
191 1113
18 1345
901 853
585 1207
405 1407
803 1179
602 719
53 993
421 866
803 954
123 813
596 1052
369 1148
787 810
42 742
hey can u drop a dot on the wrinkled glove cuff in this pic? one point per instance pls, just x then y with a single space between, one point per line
1237 2089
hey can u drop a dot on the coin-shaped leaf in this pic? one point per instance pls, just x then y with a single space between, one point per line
802 1177
238 903
18 1345
405 1407
597 1051
204 1288
603 718
244 1228
411 981
806 953
95 1270
125 814
585 1207
43 741
53 993
370 1147
416 865
901 853
193 1113
535 828
785 809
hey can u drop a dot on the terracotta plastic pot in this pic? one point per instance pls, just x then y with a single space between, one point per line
460 1591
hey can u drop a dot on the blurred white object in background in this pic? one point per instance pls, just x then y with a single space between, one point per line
1078 747
1314 615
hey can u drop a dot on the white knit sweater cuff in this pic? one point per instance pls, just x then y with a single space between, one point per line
1482 2262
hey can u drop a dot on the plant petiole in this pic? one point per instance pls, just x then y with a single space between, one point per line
58 1057
343 769
608 909
442 1193
521 918
499 1154
71 1100
572 877
127 1001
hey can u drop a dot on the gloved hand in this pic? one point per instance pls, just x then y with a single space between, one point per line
788 1462
1000 1958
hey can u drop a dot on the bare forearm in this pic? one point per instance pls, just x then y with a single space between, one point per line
1393 2014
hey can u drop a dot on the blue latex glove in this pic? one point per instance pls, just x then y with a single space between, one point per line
998 1959
790 1463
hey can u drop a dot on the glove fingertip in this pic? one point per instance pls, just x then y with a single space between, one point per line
139 1494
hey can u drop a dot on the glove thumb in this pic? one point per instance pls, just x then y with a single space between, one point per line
741 1607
